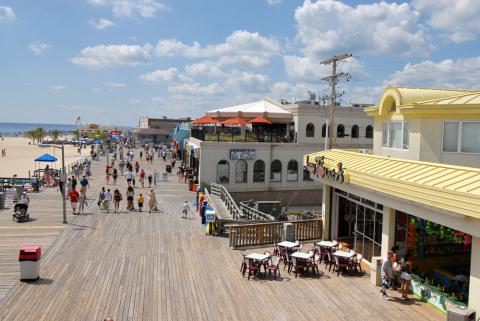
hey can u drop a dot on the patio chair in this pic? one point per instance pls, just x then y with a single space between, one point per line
356 263
341 264
252 267
243 266
330 261
312 262
274 265
298 265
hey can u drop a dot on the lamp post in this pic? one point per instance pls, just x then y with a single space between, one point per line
63 178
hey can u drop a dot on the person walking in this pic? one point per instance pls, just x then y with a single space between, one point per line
185 209
84 185
387 274
130 196
107 198
129 177
74 196
140 202
117 198
152 201
101 197
69 186
142 178
150 178
107 174
406 275
137 167
114 176
121 165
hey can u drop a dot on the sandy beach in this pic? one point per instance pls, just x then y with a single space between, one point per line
20 156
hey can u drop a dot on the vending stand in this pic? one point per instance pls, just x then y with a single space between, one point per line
29 258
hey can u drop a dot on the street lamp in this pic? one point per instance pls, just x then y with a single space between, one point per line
63 178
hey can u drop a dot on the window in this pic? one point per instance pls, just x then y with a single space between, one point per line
340 131
310 130
393 106
276 171
461 137
355 131
259 171
369 132
324 130
223 172
292 171
395 134
241 171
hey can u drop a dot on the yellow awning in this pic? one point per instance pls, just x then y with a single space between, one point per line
452 188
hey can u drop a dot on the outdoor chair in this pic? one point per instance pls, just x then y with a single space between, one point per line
312 262
273 265
341 264
243 266
298 265
330 261
356 263
252 267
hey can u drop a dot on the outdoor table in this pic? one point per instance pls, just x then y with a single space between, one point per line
328 244
302 255
345 255
287 244
257 256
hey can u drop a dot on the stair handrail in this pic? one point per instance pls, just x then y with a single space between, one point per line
222 192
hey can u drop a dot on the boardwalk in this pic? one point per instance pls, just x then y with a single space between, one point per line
140 266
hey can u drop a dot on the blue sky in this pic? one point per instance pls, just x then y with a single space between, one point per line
111 61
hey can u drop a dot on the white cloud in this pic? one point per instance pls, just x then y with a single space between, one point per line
196 89
248 82
461 73
58 87
6 14
113 55
144 8
135 101
204 69
329 26
457 18
38 48
160 75
274 2
241 47
115 84
101 23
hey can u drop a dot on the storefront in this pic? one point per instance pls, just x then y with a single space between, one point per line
431 212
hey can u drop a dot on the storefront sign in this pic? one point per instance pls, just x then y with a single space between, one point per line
247 154
336 175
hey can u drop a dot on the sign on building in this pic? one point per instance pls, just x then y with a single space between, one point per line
247 154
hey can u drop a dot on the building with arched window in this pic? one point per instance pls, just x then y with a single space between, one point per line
241 168
310 130
355 131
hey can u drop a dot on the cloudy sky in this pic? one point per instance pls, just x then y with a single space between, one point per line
111 61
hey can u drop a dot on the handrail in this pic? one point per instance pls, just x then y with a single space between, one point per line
253 214
220 190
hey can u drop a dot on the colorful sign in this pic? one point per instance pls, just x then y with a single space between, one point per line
336 175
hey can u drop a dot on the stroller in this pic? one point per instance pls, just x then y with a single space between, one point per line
20 213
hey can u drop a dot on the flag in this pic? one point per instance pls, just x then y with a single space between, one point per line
77 121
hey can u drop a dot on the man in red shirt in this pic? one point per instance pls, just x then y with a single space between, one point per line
74 196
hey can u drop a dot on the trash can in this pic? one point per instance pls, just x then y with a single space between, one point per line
288 232
2 200
29 259
376 271
459 313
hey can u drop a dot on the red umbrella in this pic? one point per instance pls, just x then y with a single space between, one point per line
205 120
235 121
260 120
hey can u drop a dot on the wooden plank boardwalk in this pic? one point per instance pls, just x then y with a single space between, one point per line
141 266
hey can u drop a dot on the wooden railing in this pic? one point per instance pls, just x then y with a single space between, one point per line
264 234
221 191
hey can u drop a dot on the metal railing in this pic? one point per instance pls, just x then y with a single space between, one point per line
253 214
265 234
221 191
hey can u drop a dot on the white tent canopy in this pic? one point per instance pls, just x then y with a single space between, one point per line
266 108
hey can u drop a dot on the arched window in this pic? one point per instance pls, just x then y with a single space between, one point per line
340 131
369 131
276 171
324 126
310 130
241 171
259 171
292 171
223 172
355 131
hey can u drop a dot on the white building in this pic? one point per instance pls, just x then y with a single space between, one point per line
266 161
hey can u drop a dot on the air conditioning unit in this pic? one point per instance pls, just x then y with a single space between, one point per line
364 151
458 313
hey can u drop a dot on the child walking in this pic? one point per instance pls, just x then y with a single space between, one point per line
141 200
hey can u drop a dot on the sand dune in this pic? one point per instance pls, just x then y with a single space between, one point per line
20 156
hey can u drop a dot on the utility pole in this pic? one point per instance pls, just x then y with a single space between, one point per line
333 80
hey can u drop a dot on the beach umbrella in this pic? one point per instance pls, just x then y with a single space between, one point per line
260 120
205 120
46 158
235 122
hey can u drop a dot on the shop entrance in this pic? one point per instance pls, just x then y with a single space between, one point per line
360 224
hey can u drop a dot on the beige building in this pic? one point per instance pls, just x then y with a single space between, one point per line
420 191
266 161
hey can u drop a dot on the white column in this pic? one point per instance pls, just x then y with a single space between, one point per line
388 230
473 297
326 214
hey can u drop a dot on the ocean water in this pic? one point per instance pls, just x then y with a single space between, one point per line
20 128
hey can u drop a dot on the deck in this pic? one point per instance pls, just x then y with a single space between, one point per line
140 266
